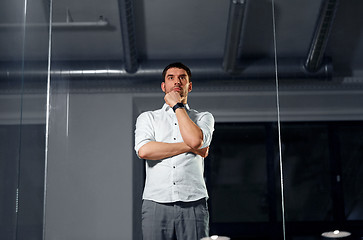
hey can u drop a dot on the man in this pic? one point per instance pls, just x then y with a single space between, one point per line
174 141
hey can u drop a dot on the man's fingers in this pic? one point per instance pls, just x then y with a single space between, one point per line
171 98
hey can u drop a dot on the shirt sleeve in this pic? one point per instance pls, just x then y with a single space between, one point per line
144 131
206 124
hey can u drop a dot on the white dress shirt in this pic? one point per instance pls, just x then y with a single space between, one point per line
180 177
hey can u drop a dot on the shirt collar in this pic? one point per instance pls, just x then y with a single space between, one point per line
167 108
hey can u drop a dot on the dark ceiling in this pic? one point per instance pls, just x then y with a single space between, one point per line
218 38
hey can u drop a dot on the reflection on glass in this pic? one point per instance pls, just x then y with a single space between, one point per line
321 117
22 117
351 148
11 50
237 178
307 173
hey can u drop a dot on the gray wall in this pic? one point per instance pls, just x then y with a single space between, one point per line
89 182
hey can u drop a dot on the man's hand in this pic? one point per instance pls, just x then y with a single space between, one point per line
203 152
172 98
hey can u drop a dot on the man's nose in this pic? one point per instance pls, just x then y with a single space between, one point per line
177 81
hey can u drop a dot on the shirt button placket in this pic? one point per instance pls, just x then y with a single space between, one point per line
175 130
174 187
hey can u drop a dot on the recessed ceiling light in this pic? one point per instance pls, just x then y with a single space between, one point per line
336 234
216 237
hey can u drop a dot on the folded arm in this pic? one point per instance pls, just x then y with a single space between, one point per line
192 134
160 150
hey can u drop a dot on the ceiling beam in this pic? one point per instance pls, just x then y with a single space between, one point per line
321 35
233 35
127 24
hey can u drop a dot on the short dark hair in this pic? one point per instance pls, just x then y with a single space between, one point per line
177 65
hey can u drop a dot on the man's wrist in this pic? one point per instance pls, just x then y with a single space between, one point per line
178 105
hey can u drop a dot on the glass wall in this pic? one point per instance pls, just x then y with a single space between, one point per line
67 121
321 124
24 39
320 147
242 170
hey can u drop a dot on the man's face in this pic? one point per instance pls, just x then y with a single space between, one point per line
177 79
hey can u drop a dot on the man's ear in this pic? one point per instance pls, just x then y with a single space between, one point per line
190 87
163 86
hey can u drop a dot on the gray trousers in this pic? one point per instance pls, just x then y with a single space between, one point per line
175 221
